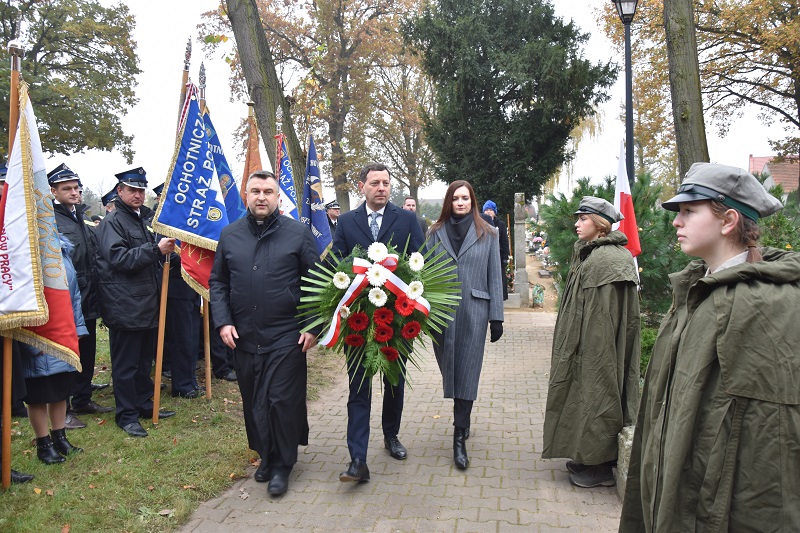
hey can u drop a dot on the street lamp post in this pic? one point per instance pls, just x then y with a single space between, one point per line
626 9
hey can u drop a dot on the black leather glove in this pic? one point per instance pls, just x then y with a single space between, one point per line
495 330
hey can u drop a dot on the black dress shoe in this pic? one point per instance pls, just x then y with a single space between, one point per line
356 471
73 422
20 477
191 395
230 375
167 374
262 472
99 386
161 414
91 408
134 429
396 450
278 485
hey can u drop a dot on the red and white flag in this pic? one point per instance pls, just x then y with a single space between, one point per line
623 202
35 302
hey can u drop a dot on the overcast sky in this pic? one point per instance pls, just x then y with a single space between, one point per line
163 27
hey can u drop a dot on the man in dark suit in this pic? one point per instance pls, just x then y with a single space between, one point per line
332 210
376 219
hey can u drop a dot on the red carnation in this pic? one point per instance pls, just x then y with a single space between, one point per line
382 316
358 321
410 330
404 305
383 333
390 353
354 340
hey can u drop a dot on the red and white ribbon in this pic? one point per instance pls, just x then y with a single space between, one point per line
396 285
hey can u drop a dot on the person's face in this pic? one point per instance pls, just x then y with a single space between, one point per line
67 192
131 196
262 196
376 189
462 202
110 206
410 205
333 213
699 230
489 212
586 229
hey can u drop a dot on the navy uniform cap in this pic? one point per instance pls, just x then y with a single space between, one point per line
3 172
591 205
61 173
109 196
731 186
158 189
135 177
332 205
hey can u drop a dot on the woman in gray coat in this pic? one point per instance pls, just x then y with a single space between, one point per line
473 245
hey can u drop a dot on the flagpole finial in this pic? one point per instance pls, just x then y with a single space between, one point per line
188 57
15 50
202 75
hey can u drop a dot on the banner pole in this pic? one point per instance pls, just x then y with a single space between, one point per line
15 50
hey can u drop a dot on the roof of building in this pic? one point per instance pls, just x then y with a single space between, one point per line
786 174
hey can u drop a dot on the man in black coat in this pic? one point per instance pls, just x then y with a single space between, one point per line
490 213
129 267
69 213
377 219
333 210
255 291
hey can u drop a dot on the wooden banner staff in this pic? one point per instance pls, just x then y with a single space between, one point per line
162 311
206 325
15 50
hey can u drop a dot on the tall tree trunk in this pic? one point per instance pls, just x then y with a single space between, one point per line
263 85
684 82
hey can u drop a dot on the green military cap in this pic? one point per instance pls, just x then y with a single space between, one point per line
591 205
731 186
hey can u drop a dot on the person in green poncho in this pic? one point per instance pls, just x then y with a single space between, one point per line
594 375
717 441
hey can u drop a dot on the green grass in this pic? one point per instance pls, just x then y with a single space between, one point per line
148 485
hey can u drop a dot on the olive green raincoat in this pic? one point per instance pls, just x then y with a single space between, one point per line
717 442
594 374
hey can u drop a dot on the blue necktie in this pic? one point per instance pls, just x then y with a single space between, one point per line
373 225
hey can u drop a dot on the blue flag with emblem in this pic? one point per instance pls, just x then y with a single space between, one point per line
313 212
233 200
193 207
287 203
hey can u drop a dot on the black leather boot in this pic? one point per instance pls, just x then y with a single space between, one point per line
460 449
61 443
46 452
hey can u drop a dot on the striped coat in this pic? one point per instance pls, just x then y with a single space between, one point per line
459 351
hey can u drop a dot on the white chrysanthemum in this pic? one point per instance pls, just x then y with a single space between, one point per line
416 261
415 289
377 275
344 311
377 297
377 251
341 280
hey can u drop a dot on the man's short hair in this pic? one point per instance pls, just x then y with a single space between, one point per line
263 175
371 167
409 198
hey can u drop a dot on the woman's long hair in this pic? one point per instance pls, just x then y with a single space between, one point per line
481 226
746 232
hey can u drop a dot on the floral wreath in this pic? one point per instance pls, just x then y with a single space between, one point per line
373 306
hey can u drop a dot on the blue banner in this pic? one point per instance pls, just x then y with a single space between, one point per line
233 200
193 208
288 197
314 214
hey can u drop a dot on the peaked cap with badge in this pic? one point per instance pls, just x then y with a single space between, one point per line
591 205
332 205
135 177
158 189
731 186
60 174
108 197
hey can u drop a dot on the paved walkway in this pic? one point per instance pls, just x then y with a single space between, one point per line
507 488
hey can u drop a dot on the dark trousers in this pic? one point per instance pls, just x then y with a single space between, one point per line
82 386
182 325
462 410
273 387
359 406
221 355
132 354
